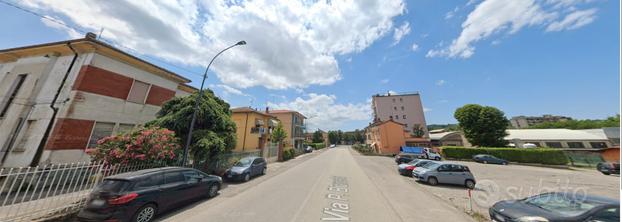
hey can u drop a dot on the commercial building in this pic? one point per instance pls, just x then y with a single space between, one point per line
404 108
520 122
253 128
440 138
558 138
294 125
58 99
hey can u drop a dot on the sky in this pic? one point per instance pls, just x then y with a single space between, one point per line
326 58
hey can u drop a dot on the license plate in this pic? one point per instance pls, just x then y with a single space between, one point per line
97 203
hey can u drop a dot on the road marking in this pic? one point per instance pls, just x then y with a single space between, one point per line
339 208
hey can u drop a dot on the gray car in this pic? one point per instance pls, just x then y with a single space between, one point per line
448 173
246 168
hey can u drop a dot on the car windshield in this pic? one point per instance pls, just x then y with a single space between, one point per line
244 162
413 162
561 204
112 185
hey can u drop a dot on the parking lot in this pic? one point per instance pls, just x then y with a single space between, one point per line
498 182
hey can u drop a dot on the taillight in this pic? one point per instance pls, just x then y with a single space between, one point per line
123 199
410 167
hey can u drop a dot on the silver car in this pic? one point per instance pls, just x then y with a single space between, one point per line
447 173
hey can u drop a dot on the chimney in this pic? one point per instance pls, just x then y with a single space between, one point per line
90 35
267 110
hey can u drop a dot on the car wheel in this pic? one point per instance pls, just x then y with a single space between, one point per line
145 213
263 172
212 191
432 181
606 173
469 184
247 177
485 162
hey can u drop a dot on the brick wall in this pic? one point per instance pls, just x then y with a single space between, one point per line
70 134
103 82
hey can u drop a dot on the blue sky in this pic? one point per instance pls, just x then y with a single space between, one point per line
326 60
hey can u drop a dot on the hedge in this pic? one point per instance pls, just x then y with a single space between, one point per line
289 154
316 146
520 155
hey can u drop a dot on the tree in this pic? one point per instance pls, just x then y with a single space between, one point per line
482 125
418 131
613 121
317 137
340 136
333 137
279 134
144 145
214 131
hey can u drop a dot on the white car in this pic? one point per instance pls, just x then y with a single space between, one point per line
332 145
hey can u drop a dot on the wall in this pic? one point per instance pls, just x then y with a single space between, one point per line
286 119
385 108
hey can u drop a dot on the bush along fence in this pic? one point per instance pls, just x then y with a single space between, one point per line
539 155
316 146
363 149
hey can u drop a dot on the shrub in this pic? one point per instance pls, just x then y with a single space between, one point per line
363 149
315 146
143 145
289 154
540 155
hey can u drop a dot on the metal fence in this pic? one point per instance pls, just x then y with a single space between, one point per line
584 159
37 193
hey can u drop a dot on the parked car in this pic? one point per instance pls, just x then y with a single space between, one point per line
485 158
552 207
308 149
608 168
448 173
404 157
407 154
332 145
246 168
406 169
140 195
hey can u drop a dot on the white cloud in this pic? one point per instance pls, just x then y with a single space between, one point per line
324 112
452 13
400 32
384 81
228 90
573 20
414 47
426 109
392 92
440 82
291 44
500 16
71 32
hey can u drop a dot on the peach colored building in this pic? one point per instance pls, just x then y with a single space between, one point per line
386 137
405 108
293 123
253 128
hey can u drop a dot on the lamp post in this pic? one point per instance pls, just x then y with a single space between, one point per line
196 103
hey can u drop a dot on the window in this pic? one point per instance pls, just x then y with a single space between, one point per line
397 117
395 108
598 145
445 167
403 116
138 93
174 177
535 143
554 144
402 108
393 99
12 94
149 182
191 176
100 130
575 145
123 127
401 100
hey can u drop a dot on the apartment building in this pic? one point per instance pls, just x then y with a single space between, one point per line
520 122
253 128
386 137
294 125
57 99
404 108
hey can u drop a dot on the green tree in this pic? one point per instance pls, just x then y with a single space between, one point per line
418 131
333 137
279 134
482 125
214 131
340 136
613 121
317 137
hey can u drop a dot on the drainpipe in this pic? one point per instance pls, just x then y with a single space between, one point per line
245 129
46 134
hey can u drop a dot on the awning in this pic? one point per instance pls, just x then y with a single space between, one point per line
411 149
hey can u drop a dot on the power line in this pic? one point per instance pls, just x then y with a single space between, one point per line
82 31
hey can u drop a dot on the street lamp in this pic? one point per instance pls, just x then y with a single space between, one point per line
196 103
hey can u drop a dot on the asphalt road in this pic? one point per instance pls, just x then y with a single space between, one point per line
334 185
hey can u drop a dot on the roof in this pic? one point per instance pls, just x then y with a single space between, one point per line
248 110
86 45
552 134
280 111
396 94
439 136
134 174
386 121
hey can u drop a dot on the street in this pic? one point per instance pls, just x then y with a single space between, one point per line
335 185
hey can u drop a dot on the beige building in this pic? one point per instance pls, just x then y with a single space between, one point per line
386 137
520 122
253 128
293 123
406 109
57 99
